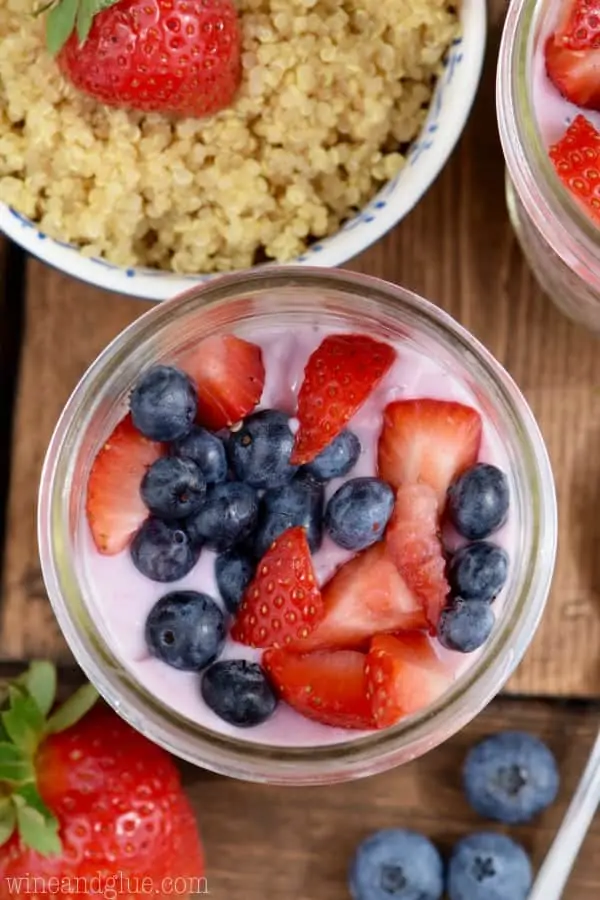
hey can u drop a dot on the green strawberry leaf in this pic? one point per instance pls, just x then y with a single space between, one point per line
37 826
85 17
73 709
8 819
40 683
60 24
23 721
15 766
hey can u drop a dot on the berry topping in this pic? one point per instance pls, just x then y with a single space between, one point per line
163 551
478 571
413 543
283 602
165 56
338 377
238 692
576 158
358 512
488 866
114 507
260 450
163 404
396 864
337 459
299 503
478 501
230 377
403 676
206 450
329 687
573 53
173 488
510 777
366 596
465 625
429 441
227 517
234 570
186 630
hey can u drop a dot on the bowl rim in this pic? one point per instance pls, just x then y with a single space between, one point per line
339 248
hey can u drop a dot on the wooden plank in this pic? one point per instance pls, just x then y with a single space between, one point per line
261 842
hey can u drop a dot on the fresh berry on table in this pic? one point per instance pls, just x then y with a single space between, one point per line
510 777
489 866
86 797
396 863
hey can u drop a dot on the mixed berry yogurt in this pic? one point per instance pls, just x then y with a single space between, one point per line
299 536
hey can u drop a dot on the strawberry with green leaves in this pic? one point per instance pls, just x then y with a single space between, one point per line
84 796
177 57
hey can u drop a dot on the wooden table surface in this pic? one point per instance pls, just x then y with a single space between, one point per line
457 249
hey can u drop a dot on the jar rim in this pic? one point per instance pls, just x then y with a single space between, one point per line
357 756
556 214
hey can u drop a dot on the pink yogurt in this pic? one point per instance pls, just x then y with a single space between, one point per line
121 597
553 113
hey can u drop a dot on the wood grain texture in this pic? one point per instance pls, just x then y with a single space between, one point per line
457 249
262 842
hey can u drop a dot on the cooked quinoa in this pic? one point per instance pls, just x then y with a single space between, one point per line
332 93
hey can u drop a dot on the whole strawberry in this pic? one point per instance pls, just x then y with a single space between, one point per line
87 805
178 57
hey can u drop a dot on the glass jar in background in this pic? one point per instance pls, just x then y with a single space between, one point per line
560 242
293 297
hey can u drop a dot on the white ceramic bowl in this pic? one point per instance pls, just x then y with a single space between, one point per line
448 113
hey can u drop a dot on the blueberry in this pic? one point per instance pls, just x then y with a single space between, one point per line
396 863
465 625
478 501
173 488
185 630
163 404
478 571
163 551
207 451
234 571
260 450
238 692
337 459
488 866
299 503
510 777
227 516
358 512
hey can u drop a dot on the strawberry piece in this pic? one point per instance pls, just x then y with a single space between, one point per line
230 376
428 440
114 506
403 676
327 687
166 56
413 542
338 377
573 53
366 596
576 158
283 602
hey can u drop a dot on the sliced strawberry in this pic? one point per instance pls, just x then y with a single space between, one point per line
403 676
428 440
114 506
413 543
573 53
366 596
576 158
230 377
338 378
283 602
329 687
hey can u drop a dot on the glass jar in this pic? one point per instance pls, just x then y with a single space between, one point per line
560 242
276 297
